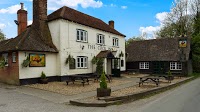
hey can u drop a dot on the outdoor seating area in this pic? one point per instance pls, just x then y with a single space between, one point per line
77 84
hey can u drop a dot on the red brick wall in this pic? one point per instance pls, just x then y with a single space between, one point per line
10 74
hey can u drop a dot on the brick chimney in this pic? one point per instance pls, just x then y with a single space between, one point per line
111 24
21 19
39 10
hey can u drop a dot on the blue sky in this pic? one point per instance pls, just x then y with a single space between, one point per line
132 17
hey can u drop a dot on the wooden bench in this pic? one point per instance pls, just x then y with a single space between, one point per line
154 80
78 78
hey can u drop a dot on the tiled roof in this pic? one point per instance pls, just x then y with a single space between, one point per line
81 18
166 49
105 54
30 40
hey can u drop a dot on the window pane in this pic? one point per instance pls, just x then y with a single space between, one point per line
78 34
81 35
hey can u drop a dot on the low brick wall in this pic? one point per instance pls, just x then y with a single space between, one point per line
10 74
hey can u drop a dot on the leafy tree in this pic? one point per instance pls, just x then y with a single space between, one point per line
178 22
130 40
2 36
196 41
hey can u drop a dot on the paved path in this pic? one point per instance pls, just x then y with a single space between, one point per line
185 98
25 99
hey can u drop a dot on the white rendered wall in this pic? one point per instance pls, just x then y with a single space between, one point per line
64 37
35 72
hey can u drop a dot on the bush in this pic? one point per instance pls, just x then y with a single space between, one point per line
103 83
43 76
99 67
169 73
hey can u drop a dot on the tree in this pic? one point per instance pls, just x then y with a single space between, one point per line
2 36
178 22
196 37
130 40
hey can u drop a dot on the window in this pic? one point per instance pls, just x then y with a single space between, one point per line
144 65
82 35
122 63
100 39
115 42
5 56
82 62
14 57
175 66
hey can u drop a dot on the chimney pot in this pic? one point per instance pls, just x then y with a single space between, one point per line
111 24
22 6
21 19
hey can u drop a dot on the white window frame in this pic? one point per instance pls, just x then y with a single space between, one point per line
175 66
81 35
144 65
115 42
14 57
100 39
82 62
5 56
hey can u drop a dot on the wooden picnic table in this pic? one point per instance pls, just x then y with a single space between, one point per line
153 79
82 78
167 77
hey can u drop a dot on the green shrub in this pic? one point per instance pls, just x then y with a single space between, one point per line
103 83
99 67
43 76
169 73
26 62
2 63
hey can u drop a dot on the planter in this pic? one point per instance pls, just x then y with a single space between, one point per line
44 81
103 92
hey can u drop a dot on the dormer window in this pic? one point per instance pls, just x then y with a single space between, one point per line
100 39
82 36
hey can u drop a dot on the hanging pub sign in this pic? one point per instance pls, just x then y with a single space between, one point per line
182 43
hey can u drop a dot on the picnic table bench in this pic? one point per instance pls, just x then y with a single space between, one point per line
78 78
153 79
167 77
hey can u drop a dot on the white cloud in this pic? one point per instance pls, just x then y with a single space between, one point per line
30 22
161 16
2 25
149 31
124 7
11 10
54 4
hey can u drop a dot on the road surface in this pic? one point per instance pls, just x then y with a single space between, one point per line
185 98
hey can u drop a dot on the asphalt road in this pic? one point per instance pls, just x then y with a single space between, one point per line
182 99
185 98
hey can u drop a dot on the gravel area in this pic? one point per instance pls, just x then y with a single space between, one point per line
136 89
145 87
76 88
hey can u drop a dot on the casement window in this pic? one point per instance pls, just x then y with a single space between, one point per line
14 57
82 35
115 42
175 66
100 39
5 56
144 65
82 62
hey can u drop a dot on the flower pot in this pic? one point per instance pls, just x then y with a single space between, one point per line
101 92
44 81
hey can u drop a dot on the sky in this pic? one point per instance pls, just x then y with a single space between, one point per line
132 17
